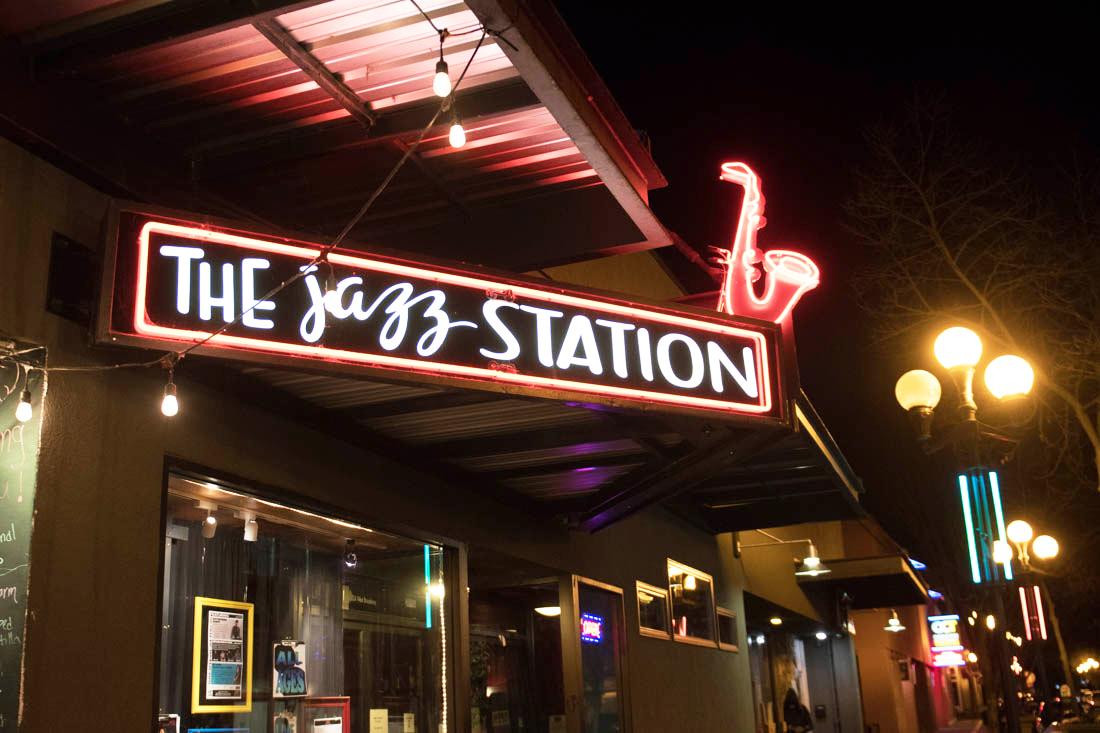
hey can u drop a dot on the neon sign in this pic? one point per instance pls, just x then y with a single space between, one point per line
1031 607
789 274
390 315
947 648
591 628
983 518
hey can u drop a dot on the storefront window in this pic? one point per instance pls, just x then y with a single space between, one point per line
691 594
275 619
652 611
727 630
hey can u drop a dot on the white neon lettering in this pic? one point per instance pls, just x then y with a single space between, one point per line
618 344
580 334
511 343
394 328
249 304
312 326
184 256
207 301
664 346
543 335
719 362
645 356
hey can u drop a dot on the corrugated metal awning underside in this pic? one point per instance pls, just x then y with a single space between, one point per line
225 122
553 459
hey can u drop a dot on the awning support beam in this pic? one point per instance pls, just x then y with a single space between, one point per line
312 67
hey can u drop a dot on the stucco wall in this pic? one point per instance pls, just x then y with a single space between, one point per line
95 560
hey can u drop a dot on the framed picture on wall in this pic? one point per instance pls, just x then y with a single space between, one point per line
326 715
221 664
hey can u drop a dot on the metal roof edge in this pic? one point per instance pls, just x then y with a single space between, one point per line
811 422
548 57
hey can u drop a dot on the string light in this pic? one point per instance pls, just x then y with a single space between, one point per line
457 134
23 411
170 402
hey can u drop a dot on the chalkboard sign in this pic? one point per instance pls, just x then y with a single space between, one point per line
18 469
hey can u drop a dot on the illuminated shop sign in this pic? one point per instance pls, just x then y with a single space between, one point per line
591 628
947 648
177 283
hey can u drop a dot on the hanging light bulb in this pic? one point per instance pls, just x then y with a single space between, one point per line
209 526
331 298
169 405
457 135
441 83
251 529
23 411
351 559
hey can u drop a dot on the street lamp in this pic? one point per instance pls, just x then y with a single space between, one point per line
959 351
1022 536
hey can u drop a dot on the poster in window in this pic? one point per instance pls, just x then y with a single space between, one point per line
288 659
222 661
326 715
285 721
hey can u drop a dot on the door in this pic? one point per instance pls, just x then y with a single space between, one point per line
599 626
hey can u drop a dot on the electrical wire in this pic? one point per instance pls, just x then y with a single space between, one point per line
170 359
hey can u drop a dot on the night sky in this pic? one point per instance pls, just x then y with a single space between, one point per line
793 95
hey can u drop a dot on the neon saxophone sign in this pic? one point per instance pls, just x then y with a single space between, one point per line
406 319
789 274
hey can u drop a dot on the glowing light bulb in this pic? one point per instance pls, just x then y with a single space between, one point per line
1009 376
918 388
23 411
990 622
209 526
169 406
972 657
689 582
1019 531
821 636
441 82
775 621
457 135
1044 547
1002 552
957 347
548 611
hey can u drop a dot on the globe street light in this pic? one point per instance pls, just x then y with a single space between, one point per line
959 350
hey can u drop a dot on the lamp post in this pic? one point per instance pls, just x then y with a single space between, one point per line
1025 546
1007 378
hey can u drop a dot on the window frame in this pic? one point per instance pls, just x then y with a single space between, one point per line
694 640
720 613
666 634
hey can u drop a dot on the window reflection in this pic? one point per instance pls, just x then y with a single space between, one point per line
691 596
348 622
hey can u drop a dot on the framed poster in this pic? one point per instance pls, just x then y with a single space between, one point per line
288 662
326 715
221 665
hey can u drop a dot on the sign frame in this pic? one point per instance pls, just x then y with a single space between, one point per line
113 317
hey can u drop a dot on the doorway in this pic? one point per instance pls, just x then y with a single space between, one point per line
516 681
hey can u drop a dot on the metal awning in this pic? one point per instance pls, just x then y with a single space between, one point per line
589 464
290 113
870 582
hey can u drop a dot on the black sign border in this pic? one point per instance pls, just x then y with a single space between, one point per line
114 321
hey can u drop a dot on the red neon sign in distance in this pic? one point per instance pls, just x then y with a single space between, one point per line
144 326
